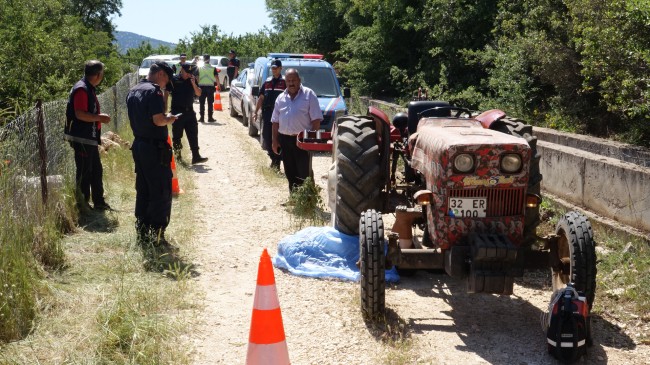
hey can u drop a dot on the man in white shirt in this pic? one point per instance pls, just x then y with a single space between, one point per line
296 109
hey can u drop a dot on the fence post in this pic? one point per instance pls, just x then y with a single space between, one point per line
115 117
42 149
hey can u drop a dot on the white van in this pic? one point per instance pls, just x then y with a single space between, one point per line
143 71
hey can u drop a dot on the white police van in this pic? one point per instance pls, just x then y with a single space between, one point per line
315 73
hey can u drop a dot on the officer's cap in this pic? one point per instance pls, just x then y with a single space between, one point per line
187 67
276 63
232 51
183 55
206 56
162 65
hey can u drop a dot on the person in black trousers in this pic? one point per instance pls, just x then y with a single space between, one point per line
270 90
152 156
295 110
83 130
183 92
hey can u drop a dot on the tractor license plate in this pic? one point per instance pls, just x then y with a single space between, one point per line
467 207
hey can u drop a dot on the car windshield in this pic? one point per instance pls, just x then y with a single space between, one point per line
319 79
147 63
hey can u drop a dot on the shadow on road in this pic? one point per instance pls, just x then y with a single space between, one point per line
495 328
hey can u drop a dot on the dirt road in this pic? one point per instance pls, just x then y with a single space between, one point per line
431 320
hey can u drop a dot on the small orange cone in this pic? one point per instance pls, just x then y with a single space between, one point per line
175 188
266 344
217 99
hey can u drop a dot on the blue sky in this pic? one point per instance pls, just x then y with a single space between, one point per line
169 21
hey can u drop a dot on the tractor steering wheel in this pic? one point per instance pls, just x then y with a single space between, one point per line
436 111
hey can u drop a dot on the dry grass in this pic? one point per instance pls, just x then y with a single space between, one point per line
105 307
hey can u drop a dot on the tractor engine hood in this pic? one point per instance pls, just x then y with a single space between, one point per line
437 140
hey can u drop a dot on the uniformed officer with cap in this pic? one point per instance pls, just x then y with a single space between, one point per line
269 91
183 92
207 81
152 155
233 66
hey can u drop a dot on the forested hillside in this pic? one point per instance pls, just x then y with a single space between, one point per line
128 40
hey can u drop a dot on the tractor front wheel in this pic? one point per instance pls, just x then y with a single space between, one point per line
372 260
575 256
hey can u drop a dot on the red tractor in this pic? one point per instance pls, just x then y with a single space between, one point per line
469 183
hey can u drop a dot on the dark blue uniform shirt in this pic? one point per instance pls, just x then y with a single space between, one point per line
143 102
182 95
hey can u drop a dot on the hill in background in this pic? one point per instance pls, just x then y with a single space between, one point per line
126 40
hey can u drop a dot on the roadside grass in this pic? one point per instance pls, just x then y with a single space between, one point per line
103 306
623 278
30 243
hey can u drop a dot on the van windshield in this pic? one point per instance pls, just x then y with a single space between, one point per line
147 63
319 79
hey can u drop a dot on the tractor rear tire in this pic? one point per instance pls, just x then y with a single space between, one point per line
372 268
358 172
519 128
576 256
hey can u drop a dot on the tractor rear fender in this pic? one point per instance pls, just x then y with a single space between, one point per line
490 116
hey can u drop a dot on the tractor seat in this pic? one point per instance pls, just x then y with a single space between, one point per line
416 107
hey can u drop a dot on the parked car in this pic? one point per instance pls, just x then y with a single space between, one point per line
242 101
221 63
143 70
315 73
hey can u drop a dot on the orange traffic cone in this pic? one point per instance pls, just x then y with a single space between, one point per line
217 99
266 344
175 188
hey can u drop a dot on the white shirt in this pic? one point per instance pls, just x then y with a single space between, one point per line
296 115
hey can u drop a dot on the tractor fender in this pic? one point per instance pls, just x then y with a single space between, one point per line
490 116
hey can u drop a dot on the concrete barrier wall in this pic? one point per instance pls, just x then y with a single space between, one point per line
615 189
609 178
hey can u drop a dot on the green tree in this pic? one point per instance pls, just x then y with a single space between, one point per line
44 58
96 14
613 40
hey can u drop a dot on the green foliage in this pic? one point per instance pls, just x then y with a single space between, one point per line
96 14
307 204
43 47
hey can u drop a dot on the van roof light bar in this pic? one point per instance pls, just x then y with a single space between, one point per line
312 56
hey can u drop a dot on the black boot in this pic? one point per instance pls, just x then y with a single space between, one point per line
178 147
196 157
144 236
201 119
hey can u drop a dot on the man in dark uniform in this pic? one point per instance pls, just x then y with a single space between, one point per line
233 66
83 128
183 92
269 91
152 155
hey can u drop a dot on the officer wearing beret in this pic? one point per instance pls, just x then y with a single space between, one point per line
183 92
152 155
269 91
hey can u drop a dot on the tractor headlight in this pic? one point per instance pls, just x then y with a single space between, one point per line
511 163
464 163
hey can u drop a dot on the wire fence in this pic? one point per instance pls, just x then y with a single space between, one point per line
33 152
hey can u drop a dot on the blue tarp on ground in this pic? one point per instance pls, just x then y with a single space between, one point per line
322 252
